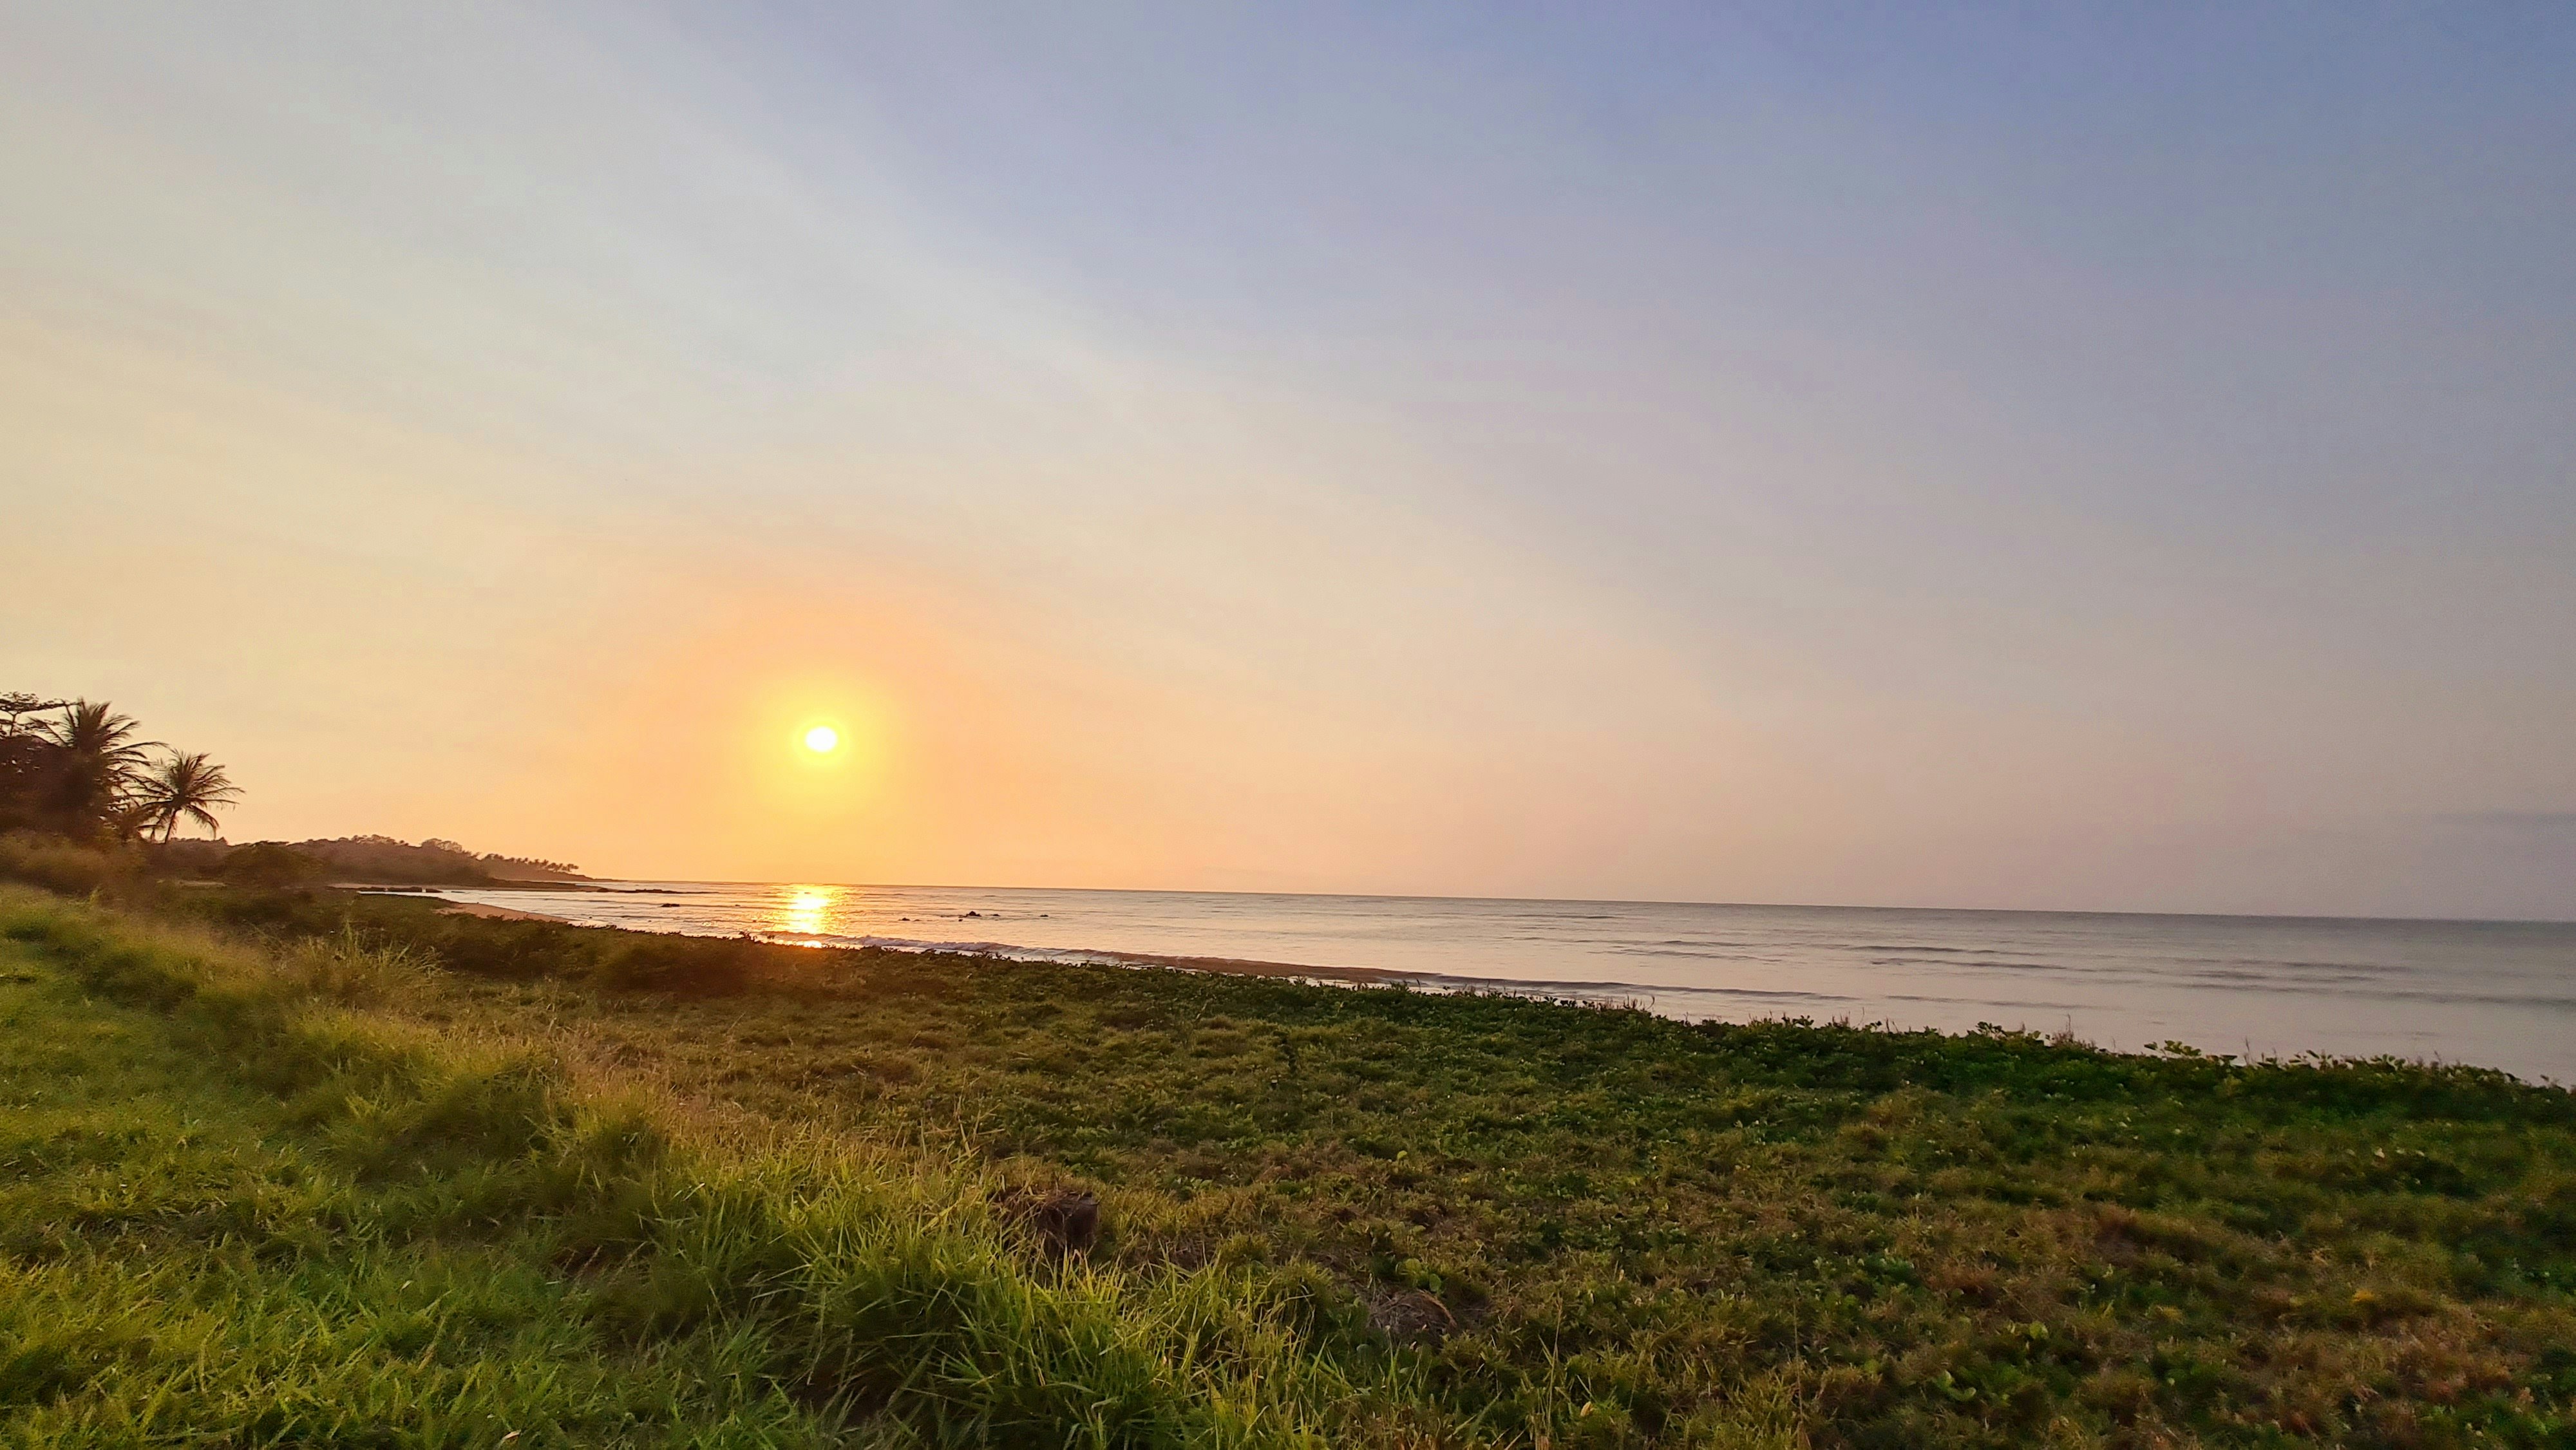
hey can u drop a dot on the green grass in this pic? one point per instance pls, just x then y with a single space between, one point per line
1360 1216
237 1213
187 1258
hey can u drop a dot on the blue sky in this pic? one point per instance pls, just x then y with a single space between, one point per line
2069 457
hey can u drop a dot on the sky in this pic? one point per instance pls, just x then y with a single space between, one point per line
2098 458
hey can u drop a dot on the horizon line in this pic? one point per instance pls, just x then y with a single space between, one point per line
1584 901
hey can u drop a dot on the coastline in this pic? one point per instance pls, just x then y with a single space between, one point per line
1606 993
496 913
2501 995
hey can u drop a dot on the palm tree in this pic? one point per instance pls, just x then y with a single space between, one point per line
186 787
98 763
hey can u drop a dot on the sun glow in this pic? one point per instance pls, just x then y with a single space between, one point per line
822 740
805 910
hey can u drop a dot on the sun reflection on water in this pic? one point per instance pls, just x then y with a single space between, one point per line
805 910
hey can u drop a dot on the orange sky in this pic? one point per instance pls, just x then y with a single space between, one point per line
1377 468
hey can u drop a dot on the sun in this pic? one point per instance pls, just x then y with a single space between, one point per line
822 740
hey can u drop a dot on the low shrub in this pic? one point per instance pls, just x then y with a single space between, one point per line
345 967
270 864
688 966
66 866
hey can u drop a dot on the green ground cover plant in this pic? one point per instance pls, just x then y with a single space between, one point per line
236 1211
1377 1216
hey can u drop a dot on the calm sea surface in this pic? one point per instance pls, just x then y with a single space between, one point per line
2499 994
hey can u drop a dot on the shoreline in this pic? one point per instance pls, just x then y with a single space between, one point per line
1551 991
431 888
1648 998
496 913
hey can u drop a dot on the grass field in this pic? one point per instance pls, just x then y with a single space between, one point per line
445 1176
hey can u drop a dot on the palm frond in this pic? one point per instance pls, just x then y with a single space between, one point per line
187 787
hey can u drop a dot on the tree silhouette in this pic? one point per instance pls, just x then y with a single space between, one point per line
186 787
89 785
78 768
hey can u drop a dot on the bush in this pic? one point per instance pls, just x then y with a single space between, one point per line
688 966
271 864
345 967
65 866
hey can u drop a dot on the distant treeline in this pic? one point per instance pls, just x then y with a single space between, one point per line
85 799
375 860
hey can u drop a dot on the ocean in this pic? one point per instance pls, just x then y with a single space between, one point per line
2494 994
